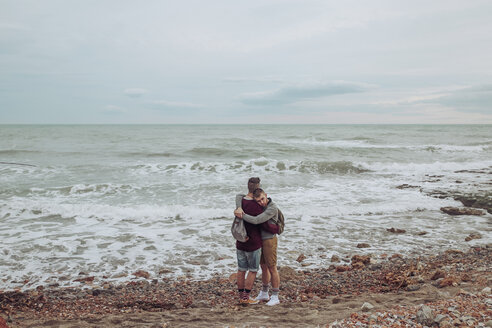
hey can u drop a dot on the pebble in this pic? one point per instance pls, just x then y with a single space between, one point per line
439 318
425 315
301 258
363 245
413 288
366 307
473 236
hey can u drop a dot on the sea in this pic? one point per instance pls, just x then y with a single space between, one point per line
108 200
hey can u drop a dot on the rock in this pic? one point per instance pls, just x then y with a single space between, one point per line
488 323
466 277
363 245
342 268
486 291
365 259
461 211
358 265
463 292
393 230
413 288
301 258
164 271
406 186
472 236
375 267
438 274
425 315
335 259
439 318
287 273
453 252
142 274
448 281
468 320
120 275
200 304
437 283
422 233
477 201
233 277
445 324
85 280
366 307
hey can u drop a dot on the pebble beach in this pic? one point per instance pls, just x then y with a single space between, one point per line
451 289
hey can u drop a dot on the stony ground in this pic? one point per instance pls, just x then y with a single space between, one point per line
387 291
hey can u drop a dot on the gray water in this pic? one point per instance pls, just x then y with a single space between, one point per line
110 200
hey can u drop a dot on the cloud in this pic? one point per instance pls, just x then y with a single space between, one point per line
13 37
135 92
246 80
113 109
165 104
477 99
298 93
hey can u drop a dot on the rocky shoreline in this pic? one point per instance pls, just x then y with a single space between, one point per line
323 291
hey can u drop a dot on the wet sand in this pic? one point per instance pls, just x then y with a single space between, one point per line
393 285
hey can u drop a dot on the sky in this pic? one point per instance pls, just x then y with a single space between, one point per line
235 62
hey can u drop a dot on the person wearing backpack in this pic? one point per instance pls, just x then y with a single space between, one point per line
270 227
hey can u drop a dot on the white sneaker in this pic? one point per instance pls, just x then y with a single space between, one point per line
262 296
273 301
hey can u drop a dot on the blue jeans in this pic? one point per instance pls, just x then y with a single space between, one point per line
248 261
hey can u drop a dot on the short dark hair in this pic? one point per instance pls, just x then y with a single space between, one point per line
253 183
257 192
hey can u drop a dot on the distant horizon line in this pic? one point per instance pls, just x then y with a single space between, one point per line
238 124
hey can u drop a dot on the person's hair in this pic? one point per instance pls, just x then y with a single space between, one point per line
257 192
253 183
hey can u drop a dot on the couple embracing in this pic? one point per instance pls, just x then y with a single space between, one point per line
261 220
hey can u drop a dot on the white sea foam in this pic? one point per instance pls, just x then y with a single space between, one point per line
450 148
422 169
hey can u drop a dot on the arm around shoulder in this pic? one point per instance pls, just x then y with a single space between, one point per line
270 213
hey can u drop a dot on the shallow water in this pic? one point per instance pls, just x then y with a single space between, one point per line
110 200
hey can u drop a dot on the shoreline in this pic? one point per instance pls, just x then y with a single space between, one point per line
310 297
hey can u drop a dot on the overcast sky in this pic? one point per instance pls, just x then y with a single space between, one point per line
256 61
